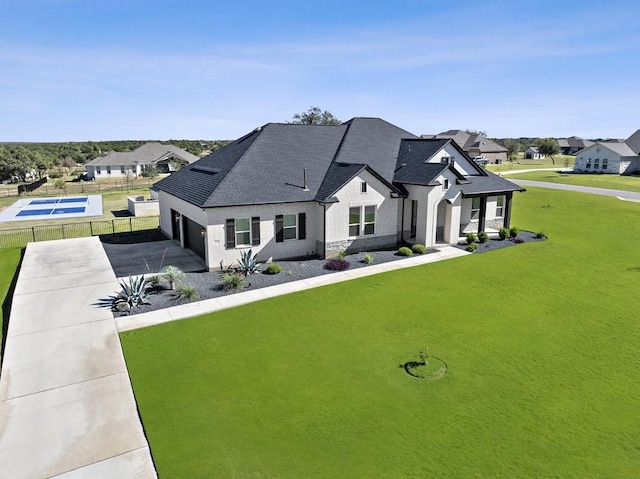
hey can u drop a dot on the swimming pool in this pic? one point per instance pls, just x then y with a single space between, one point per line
53 208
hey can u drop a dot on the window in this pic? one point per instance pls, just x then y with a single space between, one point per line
243 232
108 170
475 208
588 162
289 228
605 163
414 217
363 187
500 206
354 221
596 163
445 186
133 169
122 170
98 170
370 220
447 160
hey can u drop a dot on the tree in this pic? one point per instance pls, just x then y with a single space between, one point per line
481 133
548 147
315 116
61 184
513 148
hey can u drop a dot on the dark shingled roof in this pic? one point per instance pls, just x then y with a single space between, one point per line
269 164
490 183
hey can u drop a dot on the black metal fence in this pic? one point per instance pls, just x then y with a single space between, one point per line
78 187
19 237
29 187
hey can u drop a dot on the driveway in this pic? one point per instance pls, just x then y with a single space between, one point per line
620 194
150 257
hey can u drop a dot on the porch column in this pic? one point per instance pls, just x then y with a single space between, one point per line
507 209
483 213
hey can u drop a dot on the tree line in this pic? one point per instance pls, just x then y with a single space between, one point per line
20 161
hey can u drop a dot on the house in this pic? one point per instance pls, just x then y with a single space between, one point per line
573 144
533 153
614 157
295 190
165 158
474 145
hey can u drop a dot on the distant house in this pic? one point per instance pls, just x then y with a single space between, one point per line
165 158
474 145
294 190
573 144
533 153
613 157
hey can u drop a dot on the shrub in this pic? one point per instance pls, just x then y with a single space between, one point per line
342 254
483 237
503 233
186 292
54 175
172 275
471 238
514 231
368 258
273 268
337 264
541 235
471 247
518 240
154 280
248 264
419 248
133 294
231 280
404 251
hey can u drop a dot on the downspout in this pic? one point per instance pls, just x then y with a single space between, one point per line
402 224
324 231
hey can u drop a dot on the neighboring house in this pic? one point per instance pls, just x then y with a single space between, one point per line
474 145
165 158
294 190
533 153
573 144
615 157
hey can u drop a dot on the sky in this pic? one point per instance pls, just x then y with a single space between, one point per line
77 70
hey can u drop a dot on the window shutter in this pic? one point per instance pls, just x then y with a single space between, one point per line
302 226
231 234
279 228
255 231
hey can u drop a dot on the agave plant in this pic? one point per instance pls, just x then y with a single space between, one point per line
248 264
172 275
133 294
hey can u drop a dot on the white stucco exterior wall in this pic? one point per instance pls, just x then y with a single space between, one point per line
615 164
461 164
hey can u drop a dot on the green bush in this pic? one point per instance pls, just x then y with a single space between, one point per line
273 268
342 254
503 233
541 235
471 238
419 248
53 176
186 292
483 237
514 231
404 251
231 280
471 247
368 258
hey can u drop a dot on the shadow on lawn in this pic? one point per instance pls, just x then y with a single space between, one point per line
6 306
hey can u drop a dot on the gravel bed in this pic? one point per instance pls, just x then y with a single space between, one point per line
206 283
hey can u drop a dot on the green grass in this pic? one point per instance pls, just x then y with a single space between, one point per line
9 261
541 342
615 182
522 164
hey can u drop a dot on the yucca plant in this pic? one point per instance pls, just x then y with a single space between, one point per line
172 275
186 292
133 294
248 264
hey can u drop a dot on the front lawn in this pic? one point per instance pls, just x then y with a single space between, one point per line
560 162
614 182
541 343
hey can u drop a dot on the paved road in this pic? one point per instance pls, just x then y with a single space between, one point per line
530 170
67 409
623 195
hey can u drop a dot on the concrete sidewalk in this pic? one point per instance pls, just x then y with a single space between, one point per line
128 323
67 408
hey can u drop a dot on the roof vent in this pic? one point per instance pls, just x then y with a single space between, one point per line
206 169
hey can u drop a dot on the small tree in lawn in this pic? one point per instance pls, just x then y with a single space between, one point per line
548 147
61 184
